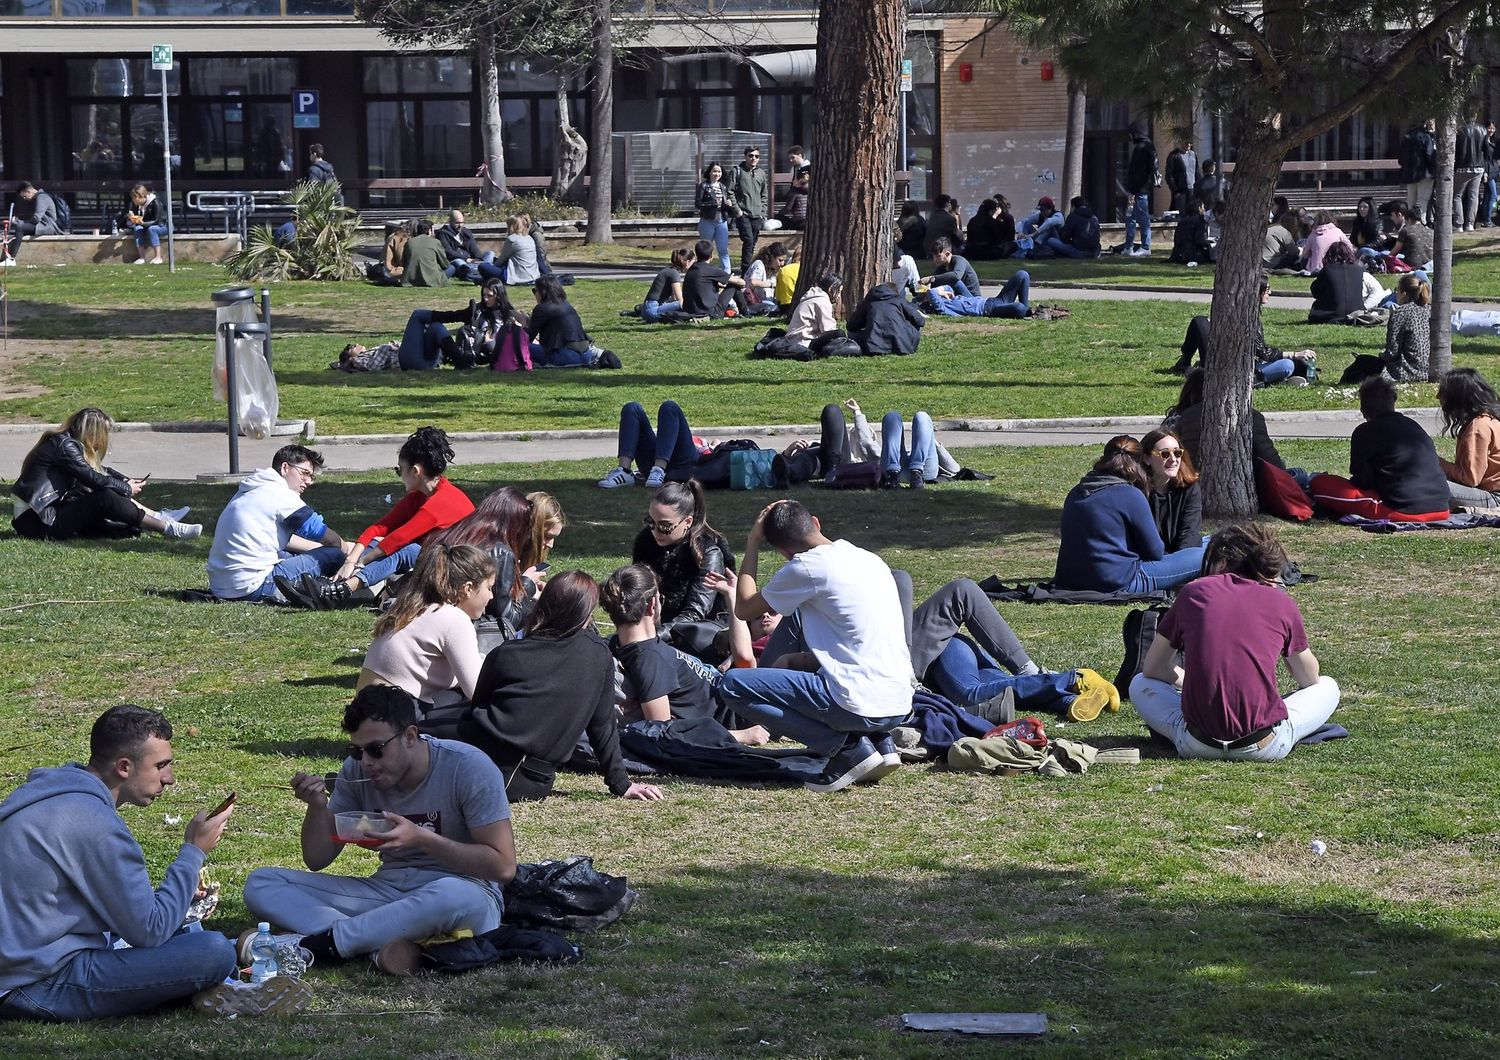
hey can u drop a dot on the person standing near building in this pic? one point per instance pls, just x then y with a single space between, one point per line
751 188
1469 174
1141 176
1418 158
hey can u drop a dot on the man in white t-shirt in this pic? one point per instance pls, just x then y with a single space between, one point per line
840 669
268 534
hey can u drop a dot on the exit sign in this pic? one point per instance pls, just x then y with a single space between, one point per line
161 57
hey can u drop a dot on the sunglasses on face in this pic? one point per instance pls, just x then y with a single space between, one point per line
1167 454
374 750
662 528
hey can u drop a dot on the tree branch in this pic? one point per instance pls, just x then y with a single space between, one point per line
1245 32
1384 76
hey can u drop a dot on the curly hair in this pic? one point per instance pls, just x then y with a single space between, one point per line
428 447
1250 550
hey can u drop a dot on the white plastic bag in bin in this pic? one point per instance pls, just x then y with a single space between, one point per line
259 403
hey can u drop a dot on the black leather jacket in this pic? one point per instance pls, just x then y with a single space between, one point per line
685 595
56 467
505 615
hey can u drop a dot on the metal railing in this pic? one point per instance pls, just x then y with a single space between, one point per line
236 206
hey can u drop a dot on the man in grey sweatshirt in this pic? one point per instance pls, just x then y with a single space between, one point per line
75 885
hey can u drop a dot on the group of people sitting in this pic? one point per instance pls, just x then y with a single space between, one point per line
418 254
994 233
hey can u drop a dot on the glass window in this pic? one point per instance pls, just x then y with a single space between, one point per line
520 157
247 138
145 140
447 141
319 7
119 77
200 8
252 77
427 75
390 140
97 141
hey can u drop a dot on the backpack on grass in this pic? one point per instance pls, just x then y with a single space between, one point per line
1139 631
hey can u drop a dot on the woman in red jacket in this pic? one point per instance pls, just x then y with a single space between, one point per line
392 543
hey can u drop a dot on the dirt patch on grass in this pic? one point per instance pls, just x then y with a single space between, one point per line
1442 874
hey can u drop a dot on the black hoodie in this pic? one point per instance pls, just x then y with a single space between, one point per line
886 323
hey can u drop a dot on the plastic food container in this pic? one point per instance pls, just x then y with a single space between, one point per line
360 827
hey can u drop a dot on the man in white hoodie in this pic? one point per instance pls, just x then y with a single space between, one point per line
269 536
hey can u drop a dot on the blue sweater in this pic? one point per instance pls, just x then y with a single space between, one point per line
72 872
1107 530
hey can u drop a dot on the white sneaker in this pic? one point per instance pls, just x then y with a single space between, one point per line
7 262
656 479
175 515
1296 380
617 478
182 531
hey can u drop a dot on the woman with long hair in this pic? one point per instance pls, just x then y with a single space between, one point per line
665 293
1176 503
557 336
683 550
760 278
1408 337
1365 230
1471 413
425 642
1110 543
500 525
68 491
536 696
716 208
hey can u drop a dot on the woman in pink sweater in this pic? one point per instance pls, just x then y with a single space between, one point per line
425 642
1326 232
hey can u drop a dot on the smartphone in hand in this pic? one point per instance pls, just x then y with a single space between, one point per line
228 802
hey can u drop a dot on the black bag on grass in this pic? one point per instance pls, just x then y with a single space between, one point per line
505 943
1139 631
568 895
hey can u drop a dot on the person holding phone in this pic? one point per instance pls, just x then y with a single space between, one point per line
86 935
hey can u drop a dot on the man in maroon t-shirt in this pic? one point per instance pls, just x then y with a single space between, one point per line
1232 626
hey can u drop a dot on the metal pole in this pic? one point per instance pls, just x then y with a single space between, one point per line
265 318
902 165
232 387
166 165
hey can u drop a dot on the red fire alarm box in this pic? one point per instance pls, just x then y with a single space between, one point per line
966 72
1046 69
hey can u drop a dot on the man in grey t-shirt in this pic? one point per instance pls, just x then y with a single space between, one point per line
442 865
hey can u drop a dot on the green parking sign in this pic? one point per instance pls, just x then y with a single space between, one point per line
161 57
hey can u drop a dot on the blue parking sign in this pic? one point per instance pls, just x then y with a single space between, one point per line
304 108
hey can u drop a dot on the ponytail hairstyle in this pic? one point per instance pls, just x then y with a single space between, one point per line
545 512
1122 459
565 606
90 428
682 257
503 517
685 497
442 572
627 594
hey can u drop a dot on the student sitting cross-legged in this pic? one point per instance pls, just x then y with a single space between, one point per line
1232 626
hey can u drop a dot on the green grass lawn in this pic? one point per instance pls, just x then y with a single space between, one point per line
139 343
1165 909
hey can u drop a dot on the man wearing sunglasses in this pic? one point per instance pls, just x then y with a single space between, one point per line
268 536
751 190
443 862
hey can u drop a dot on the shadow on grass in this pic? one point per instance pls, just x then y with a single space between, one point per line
51 320
311 747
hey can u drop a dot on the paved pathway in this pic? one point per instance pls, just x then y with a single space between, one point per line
198 451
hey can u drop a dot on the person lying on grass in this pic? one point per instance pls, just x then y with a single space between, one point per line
1233 626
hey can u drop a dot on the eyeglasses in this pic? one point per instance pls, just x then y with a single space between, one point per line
374 750
306 472
1167 454
753 154
400 472
663 528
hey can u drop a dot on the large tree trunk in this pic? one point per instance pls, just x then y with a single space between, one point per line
1228 473
1442 249
492 188
601 186
852 198
571 154
1072 174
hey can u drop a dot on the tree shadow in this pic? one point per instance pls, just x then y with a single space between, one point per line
51 320
311 747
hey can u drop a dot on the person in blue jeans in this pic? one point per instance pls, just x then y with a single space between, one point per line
147 222
657 454
716 208
85 935
1272 365
665 293
1013 301
1141 176
917 465
1110 542
426 339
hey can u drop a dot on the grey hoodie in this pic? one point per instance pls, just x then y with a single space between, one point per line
72 871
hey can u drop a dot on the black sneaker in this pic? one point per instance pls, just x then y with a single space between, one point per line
890 758
857 759
296 596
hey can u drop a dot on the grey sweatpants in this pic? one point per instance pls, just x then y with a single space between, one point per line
367 912
960 604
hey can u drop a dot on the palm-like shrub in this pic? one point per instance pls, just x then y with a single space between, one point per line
322 249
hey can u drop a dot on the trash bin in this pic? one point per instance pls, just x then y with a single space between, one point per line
242 351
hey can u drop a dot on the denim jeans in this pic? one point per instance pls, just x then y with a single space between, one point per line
151 234
1066 250
1138 216
1160 707
921 458
1275 371
651 312
1472 496
965 674
421 342
1014 299
404 560
672 439
563 357
325 560
717 233
798 705
107 983
1173 569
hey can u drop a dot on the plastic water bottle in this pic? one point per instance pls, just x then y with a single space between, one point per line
262 954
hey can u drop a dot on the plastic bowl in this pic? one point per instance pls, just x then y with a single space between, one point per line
361 827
